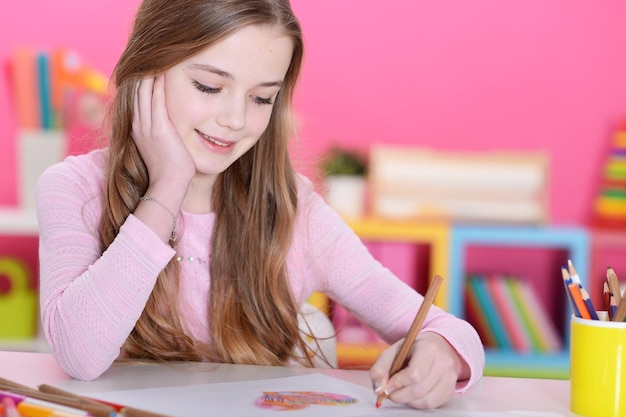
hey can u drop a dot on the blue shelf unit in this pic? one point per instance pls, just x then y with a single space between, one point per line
574 240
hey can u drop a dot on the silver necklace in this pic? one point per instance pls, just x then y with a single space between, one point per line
190 258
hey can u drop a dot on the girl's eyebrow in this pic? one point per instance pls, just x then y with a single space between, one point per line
225 74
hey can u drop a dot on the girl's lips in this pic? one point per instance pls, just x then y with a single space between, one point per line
215 141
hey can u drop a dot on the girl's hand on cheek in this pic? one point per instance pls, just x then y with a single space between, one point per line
160 146
430 377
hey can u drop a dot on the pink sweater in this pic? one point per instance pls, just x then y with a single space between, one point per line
91 300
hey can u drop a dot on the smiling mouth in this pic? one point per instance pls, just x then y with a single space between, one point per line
213 140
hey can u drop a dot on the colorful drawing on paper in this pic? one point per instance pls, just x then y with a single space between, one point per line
297 400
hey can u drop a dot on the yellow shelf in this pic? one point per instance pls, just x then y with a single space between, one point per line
435 234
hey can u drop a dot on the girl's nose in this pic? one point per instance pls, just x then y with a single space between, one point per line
233 113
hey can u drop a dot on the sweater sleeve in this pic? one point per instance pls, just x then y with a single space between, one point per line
89 300
372 293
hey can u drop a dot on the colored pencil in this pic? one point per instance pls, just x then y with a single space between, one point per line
402 354
135 412
578 300
567 280
573 273
606 293
613 282
83 401
98 410
620 314
589 304
9 408
612 308
583 292
7 384
40 408
94 402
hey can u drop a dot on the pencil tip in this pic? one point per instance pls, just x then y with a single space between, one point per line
378 404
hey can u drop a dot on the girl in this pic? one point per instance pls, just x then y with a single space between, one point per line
190 237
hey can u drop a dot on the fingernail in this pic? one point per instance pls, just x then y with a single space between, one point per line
377 386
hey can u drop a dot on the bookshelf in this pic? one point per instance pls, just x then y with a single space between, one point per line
453 249
566 243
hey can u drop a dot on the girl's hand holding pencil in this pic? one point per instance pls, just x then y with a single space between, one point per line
422 369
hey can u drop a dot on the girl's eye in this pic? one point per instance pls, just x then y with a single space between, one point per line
206 89
214 90
263 100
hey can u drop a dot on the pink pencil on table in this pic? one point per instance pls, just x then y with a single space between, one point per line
9 407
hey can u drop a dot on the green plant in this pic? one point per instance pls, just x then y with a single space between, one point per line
340 161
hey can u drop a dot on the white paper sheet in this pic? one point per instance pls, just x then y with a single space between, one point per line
236 399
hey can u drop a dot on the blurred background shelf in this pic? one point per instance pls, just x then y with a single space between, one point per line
16 221
456 250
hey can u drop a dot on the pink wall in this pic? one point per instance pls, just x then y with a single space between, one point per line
486 74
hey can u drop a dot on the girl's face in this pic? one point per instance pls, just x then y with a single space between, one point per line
220 100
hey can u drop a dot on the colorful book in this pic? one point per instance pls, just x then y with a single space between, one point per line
542 321
476 316
491 313
518 296
517 314
513 324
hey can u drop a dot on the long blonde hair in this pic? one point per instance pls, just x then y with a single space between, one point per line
253 313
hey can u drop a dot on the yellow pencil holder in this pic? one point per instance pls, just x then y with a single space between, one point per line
597 368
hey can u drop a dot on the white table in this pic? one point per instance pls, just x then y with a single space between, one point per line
536 397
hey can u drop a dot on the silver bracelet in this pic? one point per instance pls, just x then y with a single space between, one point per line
173 236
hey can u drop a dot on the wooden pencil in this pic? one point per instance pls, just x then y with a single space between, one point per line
567 279
589 304
612 307
611 279
607 298
94 410
573 273
583 292
620 314
82 400
123 410
401 356
135 412
578 299
6 383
